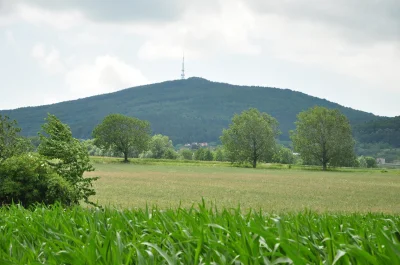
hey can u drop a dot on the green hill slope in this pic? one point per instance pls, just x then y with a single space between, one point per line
384 130
188 110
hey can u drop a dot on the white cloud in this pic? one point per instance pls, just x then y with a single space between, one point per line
9 35
106 74
199 35
49 59
60 20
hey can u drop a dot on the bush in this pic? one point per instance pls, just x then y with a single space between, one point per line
28 180
186 154
367 162
371 162
170 154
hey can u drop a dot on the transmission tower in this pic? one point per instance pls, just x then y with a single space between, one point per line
183 67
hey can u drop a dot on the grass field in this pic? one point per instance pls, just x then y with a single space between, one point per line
272 190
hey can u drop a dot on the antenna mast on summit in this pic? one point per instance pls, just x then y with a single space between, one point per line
183 67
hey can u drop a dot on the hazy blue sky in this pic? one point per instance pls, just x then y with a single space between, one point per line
347 51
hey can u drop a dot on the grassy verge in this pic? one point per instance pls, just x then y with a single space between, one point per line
151 161
197 235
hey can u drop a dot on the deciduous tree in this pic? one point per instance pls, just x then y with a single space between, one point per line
159 145
67 156
325 136
11 142
250 137
122 134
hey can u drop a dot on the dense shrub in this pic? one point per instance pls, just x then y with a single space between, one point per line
170 154
27 179
186 154
371 162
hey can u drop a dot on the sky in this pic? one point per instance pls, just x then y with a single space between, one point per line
346 51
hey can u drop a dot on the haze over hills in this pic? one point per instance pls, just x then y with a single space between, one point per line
189 110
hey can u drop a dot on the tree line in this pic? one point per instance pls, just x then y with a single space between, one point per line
53 170
322 137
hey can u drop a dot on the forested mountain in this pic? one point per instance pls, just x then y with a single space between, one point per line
188 110
384 130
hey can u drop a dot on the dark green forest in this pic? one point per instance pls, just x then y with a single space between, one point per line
196 110
384 130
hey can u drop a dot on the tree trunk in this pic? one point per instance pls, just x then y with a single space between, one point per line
126 157
254 154
324 165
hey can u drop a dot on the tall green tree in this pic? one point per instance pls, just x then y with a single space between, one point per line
324 135
250 137
124 134
11 142
159 145
67 156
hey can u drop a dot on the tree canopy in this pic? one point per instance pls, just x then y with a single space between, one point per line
323 136
11 142
159 146
67 156
127 135
251 137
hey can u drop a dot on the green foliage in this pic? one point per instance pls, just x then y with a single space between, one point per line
208 155
383 150
199 154
11 143
250 137
198 235
283 155
186 154
371 162
160 145
191 110
170 154
219 155
362 162
383 130
203 154
124 134
324 136
28 180
67 156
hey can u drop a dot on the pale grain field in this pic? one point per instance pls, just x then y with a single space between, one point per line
283 190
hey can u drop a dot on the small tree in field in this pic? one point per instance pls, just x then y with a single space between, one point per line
67 156
325 136
122 134
250 137
187 154
161 146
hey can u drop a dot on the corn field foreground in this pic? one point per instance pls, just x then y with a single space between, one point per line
198 235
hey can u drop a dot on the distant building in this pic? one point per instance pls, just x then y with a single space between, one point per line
380 161
196 145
